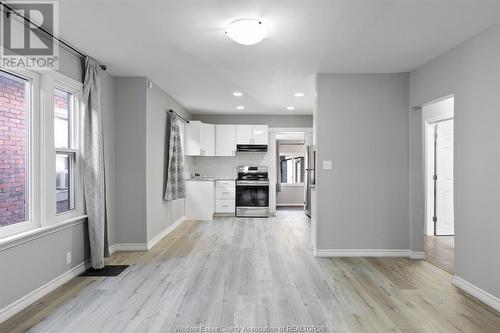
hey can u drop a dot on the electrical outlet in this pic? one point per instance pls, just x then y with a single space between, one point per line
68 258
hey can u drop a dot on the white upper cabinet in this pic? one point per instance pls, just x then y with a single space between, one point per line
260 134
193 138
225 140
243 134
251 134
221 140
200 139
207 139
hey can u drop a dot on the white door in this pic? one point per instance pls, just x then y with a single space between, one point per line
207 139
243 134
444 182
193 139
225 140
259 134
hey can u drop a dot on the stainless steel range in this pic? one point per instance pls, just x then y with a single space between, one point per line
252 192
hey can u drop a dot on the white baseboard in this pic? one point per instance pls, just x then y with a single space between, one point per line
112 249
165 232
478 293
131 247
368 253
31 298
417 255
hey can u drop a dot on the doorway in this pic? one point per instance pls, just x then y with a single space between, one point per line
439 181
290 167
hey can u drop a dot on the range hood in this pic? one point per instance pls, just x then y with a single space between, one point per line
251 148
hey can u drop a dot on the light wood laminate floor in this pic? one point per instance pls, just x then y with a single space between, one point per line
256 273
440 251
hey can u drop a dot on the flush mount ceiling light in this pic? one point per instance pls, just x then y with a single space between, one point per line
299 94
240 107
246 31
290 108
237 94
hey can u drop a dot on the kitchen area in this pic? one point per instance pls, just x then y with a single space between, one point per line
232 170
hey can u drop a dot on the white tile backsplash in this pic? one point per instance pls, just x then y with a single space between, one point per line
226 166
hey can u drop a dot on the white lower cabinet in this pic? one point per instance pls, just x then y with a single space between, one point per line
224 206
199 202
225 197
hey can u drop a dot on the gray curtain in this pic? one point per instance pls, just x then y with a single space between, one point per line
94 183
278 167
174 184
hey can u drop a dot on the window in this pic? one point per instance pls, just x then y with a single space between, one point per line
66 151
292 168
14 149
292 159
30 147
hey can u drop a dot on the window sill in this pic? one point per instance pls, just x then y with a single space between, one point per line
28 236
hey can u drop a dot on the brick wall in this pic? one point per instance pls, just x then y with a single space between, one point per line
13 140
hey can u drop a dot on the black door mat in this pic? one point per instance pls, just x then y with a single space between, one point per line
108 270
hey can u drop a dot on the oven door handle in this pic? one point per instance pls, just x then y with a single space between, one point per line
252 183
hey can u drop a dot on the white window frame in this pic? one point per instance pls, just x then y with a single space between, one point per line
296 155
55 80
42 154
33 157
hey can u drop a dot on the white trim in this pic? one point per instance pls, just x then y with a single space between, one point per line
289 205
31 298
131 247
293 184
28 236
165 232
476 292
361 253
112 249
417 255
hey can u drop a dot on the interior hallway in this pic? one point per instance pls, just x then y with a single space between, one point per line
440 251
256 272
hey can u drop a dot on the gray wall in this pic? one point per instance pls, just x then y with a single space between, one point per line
130 171
290 195
271 120
471 73
160 213
362 125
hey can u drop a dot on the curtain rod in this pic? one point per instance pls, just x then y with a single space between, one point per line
65 44
185 120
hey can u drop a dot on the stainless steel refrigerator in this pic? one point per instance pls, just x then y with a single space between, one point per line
310 176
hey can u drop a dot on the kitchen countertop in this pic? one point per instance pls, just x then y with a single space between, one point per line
211 178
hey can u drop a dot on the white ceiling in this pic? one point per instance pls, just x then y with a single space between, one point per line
181 45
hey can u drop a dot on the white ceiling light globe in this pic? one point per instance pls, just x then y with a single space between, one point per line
246 31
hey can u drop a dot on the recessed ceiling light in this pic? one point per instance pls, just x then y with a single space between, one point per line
299 94
290 108
240 107
246 31
237 94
